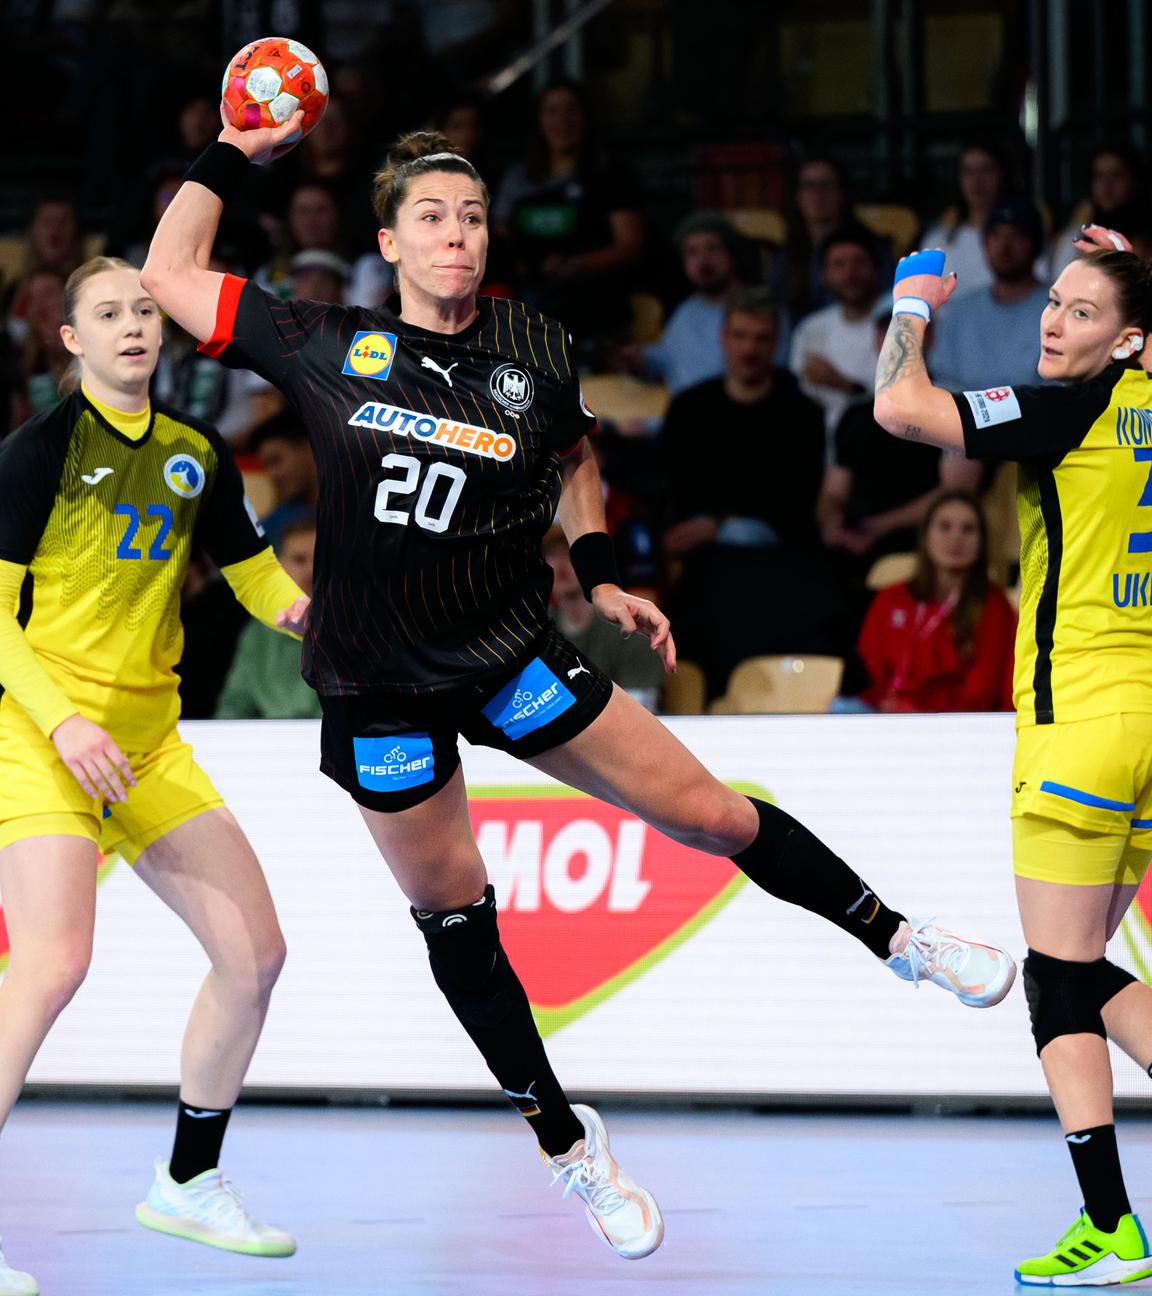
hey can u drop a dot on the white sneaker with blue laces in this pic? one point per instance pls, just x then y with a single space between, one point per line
622 1214
978 975
15 1283
209 1209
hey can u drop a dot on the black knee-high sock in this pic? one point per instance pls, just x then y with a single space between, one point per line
793 864
474 974
1097 1165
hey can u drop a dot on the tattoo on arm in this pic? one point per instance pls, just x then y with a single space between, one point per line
902 354
912 433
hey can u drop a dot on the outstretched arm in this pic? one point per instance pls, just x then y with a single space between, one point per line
176 272
907 404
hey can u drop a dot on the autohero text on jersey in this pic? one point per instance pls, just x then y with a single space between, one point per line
427 427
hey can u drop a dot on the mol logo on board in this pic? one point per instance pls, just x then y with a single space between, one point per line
590 897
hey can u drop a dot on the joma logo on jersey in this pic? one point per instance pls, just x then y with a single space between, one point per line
370 355
427 427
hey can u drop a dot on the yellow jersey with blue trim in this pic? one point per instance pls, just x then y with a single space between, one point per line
1084 500
105 524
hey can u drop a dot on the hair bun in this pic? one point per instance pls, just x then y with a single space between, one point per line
417 144
406 160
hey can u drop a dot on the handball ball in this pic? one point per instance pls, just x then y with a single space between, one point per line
269 79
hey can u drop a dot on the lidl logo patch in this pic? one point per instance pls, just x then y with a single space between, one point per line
572 873
370 355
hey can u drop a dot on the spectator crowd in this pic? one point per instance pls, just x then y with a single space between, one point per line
747 484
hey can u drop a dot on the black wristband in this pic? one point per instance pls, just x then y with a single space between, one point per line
223 168
593 558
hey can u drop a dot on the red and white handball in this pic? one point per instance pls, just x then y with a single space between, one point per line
269 79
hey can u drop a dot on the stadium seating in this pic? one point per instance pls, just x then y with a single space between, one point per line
892 569
686 691
781 686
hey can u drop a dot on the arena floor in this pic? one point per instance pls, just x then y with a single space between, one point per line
431 1202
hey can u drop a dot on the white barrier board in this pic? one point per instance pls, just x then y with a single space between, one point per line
652 968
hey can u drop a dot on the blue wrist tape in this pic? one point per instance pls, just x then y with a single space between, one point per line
920 263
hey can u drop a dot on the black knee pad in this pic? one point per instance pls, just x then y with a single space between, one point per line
1066 998
468 962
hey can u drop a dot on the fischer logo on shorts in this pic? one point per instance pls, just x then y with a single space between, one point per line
392 764
533 699
370 355
996 405
429 427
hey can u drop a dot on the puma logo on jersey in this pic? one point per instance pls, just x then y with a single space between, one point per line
96 476
577 669
428 363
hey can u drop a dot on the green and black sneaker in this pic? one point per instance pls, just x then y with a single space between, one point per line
1088 1257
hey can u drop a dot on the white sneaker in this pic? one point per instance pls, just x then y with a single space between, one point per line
15 1283
208 1209
622 1214
978 975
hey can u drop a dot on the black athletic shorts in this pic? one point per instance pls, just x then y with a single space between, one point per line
392 752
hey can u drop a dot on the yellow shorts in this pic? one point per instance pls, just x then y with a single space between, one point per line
1082 800
39 797
1058 852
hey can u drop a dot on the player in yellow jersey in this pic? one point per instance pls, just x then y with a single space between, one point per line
101 500
1082 781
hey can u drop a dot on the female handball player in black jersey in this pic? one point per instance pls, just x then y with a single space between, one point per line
449 431
101 499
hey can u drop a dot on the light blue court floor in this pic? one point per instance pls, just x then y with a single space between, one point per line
432 1202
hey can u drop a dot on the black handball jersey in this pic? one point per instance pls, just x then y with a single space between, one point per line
438 458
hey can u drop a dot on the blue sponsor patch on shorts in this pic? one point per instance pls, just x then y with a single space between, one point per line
528 702
392 764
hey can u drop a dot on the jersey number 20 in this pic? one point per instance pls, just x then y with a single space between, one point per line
405 481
